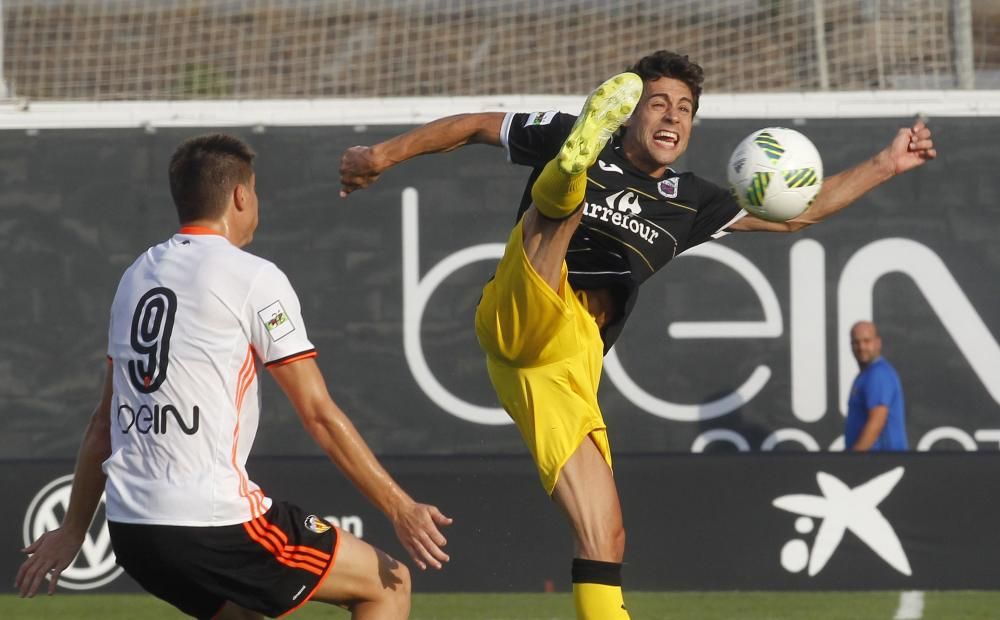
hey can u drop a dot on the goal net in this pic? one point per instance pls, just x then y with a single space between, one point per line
263 49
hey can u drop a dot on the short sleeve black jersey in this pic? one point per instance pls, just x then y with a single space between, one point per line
633 224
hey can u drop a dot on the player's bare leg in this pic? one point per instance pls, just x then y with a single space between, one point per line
546 241
587 494
367 581
586 489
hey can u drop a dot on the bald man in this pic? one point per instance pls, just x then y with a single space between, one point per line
876 418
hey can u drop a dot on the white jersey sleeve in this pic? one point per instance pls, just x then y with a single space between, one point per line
277 331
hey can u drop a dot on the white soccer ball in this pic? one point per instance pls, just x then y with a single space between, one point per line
775 173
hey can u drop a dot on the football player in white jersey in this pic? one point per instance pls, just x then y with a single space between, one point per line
192 319
576 271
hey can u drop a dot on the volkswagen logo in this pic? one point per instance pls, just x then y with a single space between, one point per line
95 565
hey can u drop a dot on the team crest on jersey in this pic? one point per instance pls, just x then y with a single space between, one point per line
315 524
668 187
276 321
540 118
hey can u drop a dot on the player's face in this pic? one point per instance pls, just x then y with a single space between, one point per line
660 127
865 344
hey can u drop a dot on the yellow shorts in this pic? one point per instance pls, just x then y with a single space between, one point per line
544 354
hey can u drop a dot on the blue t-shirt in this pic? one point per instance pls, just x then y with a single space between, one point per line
878 384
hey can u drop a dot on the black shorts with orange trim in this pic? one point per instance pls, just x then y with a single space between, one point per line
270 565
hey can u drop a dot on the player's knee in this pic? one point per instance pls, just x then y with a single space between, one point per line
405 583
619 542
615 543
388 591
396 581
606 543
400 593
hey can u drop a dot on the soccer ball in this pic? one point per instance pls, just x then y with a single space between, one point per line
775 173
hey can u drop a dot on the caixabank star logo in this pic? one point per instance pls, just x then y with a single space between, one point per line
841 509
95 565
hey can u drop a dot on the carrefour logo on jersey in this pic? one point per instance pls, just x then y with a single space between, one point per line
622 210
153 420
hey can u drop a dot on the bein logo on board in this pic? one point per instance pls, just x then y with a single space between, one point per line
841 509
803 324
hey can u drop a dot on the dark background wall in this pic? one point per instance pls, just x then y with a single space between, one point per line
77 206
695 522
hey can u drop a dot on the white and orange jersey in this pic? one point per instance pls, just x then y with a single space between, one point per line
190 322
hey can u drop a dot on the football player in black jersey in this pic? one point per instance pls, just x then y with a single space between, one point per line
584 242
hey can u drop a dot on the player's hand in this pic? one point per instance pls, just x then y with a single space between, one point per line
49 555
911 147
359 168
417 528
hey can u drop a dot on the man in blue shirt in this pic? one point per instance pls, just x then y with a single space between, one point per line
876 418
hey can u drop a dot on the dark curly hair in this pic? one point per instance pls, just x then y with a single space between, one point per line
671 65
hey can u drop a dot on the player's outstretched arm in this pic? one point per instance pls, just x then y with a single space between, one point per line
360 166
416 524
910 148
55 550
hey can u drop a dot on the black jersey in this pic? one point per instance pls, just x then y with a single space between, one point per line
633 224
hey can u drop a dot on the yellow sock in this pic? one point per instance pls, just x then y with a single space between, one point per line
556 194
595 601
597 590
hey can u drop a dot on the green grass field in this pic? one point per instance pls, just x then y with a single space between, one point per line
642 605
